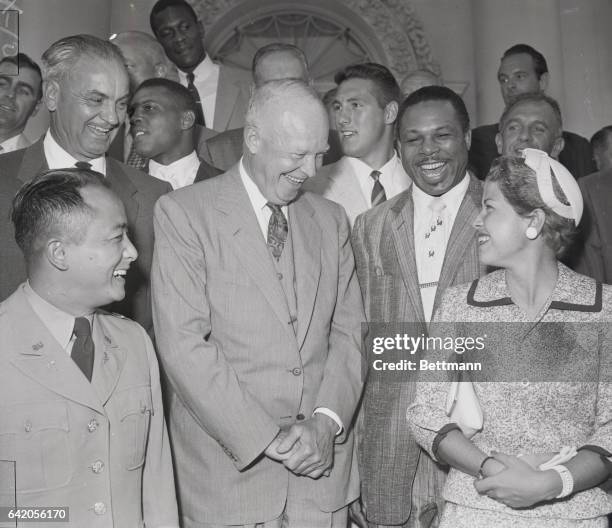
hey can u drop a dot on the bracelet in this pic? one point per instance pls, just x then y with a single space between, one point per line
484 461
566 478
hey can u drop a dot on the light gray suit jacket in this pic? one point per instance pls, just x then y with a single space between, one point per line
237 370
338 182
55 424
383 241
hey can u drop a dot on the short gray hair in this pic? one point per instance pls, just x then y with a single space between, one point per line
62 55
277 47
271 91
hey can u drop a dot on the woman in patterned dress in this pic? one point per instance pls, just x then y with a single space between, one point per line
530 211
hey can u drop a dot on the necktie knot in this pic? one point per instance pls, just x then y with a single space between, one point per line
375 175
83 165
82 327
190 77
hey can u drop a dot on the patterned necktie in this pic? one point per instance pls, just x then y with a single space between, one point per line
136 160
196 97
378 191
277 230
83 165
83 346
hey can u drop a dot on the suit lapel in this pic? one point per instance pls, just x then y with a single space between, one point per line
402 224
306 235
41 358
345 189
108 363
241 226
226 103
33 162
122 185
461 237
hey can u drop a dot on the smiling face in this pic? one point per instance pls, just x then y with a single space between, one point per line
181 36
87 106
501 230
434 147
517 75
156 123
363 125
19 97
530 124
97 264
286 147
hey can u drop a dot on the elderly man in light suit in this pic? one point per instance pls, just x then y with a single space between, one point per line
257 312
81 411
408 250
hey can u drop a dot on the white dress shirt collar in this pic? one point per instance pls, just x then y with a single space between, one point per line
58 158
392 177
13 143
179 173
452 199
201 71
258 201
59 323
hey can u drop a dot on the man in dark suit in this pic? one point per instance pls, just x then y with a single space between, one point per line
162 119
257 313
407 251
86 91
523 70
82 415
221 91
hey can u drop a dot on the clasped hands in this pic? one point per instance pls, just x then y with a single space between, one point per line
306 448
516 481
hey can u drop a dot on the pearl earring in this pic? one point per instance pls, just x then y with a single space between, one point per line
531 233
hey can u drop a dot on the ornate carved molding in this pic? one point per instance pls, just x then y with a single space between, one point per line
401 34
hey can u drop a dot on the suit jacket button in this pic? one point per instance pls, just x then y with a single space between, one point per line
300 416
99 508
97 466
27 426
296 372
92 425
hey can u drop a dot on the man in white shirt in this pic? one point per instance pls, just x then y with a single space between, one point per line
80 389
20 98
408 250
370 172
162 118
221 92
86 91
257 314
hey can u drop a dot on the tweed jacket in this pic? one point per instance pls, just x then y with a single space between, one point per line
531 415
237 370
100 448
137 191
383 242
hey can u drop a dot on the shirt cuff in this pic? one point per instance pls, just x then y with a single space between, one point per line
330 414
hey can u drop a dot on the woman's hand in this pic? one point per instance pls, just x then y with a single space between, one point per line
519 486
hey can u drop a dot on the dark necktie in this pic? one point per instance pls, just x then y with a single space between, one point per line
83 346
83 165
196 96
378 191
277 230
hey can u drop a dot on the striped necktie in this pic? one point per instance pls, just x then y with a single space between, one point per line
378 191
